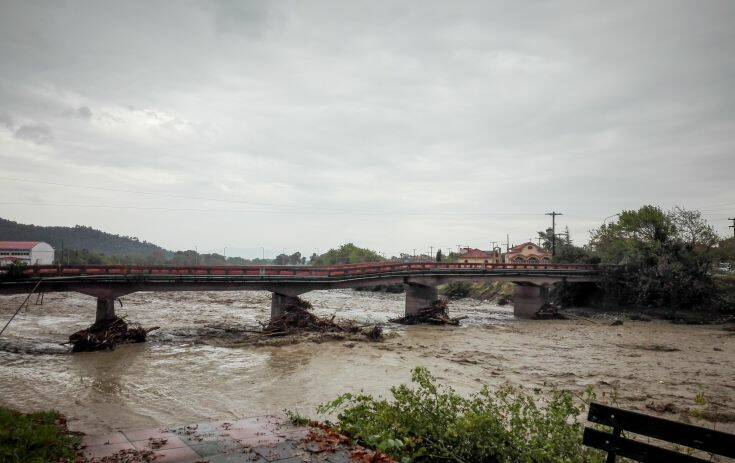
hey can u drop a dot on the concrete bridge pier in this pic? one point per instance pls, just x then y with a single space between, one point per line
279 302
105 310
419 297
528 299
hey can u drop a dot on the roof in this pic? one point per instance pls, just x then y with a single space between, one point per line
475 254
520 247
18 244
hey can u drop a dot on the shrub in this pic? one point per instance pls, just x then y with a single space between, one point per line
431 423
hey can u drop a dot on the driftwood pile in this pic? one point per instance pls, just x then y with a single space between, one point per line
297 318
436 314
549 312
107 334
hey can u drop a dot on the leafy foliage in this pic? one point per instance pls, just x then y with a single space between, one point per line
661 258
35 438
293 259
346 254
432 423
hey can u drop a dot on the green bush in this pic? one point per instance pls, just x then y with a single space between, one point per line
431 423
35 438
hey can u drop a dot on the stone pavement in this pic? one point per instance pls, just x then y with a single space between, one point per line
256 439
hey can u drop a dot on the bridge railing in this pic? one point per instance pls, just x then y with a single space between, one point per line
294 271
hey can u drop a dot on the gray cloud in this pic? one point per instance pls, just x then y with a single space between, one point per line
6 120
36 133
419 110
84 113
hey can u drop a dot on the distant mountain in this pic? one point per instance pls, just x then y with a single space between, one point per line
79 237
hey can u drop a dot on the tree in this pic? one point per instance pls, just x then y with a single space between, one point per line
439 255
566 251
692 229
547 238
347 254
658 264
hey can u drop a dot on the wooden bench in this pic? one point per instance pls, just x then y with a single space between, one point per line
616 444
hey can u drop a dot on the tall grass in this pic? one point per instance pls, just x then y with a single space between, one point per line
35 438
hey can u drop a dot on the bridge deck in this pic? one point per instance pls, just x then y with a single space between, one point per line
292 271
108 283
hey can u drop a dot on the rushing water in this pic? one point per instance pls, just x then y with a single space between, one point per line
196 367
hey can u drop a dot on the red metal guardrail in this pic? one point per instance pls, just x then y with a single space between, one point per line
372 268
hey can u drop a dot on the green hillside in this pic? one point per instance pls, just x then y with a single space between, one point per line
79 237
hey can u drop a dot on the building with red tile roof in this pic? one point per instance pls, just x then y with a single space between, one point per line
476 256
527 253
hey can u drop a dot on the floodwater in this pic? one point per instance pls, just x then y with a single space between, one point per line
193 368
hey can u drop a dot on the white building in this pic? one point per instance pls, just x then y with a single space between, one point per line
29 252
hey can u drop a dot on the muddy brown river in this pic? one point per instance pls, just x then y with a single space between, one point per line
196 368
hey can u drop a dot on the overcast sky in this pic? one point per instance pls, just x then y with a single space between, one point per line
395 125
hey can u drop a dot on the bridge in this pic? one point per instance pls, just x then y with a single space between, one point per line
420 280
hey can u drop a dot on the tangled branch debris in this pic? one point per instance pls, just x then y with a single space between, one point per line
436 314
297 318
107 334
549 312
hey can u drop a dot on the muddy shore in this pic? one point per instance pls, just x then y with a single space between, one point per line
199 365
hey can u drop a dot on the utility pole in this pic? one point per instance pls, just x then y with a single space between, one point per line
492 244
553 215
733 227
431 251
507 242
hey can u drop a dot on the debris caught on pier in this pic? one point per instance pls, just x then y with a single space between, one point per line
108 334
549 311
297 318
436 314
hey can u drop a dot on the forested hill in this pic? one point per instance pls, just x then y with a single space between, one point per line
79 237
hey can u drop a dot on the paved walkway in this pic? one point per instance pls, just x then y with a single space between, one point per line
256 439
